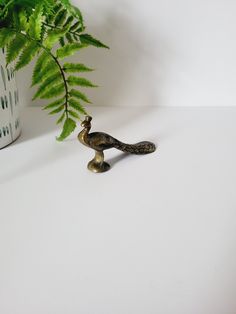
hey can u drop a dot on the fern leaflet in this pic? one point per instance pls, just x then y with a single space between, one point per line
81 96
14 48
68 127
79 81
69 50
78 67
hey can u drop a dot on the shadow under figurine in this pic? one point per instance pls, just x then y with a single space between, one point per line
100 141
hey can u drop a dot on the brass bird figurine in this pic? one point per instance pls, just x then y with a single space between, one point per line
100 141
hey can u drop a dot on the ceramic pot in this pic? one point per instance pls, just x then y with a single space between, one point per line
9 103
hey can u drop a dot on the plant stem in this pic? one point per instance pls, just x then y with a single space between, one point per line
63 76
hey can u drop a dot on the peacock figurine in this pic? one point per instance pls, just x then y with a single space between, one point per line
100 141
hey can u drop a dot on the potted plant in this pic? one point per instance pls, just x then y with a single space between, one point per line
49 31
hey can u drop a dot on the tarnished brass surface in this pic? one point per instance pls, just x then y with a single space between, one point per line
100 141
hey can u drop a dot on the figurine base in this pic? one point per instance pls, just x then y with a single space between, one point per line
98 167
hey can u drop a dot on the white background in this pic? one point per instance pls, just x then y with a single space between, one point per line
163 52
156 234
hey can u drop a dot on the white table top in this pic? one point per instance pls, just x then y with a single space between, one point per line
155 235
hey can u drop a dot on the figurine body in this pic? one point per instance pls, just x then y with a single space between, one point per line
100 141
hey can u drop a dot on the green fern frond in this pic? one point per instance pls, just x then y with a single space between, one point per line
69 38
35 22
27 55
76 67
54 92
13 5
76 38
62 117
62 42
54 36
74 114
56 103
50 69
23 21
74 11
34 27
89 40
61 18
79 81
41 63
59 109
68 22
81 96
47 84
77 106
15 47
68 127
77 13
69 50
6 35
75 27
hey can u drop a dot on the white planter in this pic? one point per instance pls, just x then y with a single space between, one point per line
9 104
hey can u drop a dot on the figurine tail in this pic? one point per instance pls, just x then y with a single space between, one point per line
141 148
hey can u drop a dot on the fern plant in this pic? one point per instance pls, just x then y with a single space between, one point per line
33 29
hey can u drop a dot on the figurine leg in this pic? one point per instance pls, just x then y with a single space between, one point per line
98 164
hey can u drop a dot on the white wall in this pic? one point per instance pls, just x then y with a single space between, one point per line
163 52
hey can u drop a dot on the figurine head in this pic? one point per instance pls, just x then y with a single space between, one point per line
87 122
